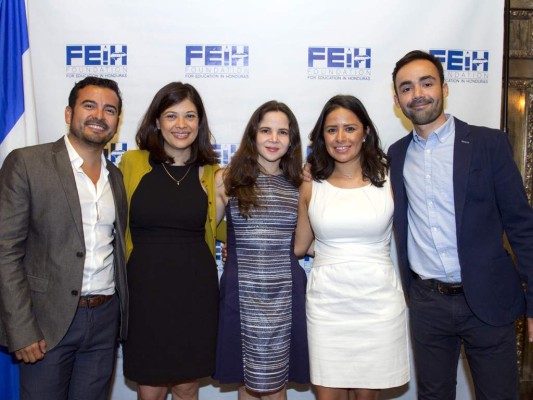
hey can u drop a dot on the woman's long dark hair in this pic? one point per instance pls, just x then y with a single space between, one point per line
373 160
241 175
149 137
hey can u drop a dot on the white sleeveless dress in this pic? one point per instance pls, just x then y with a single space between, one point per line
355 305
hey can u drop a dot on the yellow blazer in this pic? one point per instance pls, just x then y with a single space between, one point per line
134 165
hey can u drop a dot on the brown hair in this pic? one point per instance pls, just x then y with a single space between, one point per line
94 81
149 137
373 159
413 56
241 175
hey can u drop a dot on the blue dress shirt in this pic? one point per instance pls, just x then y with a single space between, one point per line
428 177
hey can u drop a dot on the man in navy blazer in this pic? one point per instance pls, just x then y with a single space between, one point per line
457 191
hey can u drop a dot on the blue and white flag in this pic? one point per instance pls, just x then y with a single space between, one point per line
18 126
9 373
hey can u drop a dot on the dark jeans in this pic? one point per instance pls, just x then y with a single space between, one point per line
439 324
81 365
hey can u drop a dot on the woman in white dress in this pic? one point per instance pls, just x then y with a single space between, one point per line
355 305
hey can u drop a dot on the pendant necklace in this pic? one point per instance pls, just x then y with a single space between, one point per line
178 181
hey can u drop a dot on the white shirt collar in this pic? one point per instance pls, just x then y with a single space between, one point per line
77 161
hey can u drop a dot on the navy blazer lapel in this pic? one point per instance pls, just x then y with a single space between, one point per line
398 153
397 171
462 155
68 183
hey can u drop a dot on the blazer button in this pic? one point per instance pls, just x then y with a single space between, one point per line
79 254
74 293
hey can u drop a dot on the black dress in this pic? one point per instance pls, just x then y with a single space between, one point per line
172 279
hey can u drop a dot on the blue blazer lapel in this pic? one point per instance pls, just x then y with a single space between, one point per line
462 156
400 196
68 183
397 154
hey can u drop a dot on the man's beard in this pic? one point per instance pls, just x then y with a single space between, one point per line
426 116
93 139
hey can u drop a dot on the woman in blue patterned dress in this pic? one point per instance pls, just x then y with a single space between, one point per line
262 339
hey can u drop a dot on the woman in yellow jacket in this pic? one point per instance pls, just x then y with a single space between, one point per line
170 247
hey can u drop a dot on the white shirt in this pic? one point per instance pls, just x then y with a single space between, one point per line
98 217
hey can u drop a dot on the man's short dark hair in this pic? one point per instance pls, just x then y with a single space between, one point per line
417 55
94 81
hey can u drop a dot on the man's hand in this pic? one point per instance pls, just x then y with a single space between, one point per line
306 172
32 353
530 329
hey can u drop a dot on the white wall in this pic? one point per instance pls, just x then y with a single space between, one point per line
273 41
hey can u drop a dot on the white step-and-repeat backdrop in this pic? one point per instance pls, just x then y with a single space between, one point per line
239 54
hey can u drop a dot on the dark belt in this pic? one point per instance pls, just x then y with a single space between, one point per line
450 289
93 301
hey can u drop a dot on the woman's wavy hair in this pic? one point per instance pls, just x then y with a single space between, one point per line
373 160
241 175
149 137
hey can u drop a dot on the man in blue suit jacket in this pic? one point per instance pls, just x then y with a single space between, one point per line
457 190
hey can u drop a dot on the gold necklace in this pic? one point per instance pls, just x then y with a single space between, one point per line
178 181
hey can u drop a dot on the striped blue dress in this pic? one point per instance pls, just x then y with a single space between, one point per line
262 339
